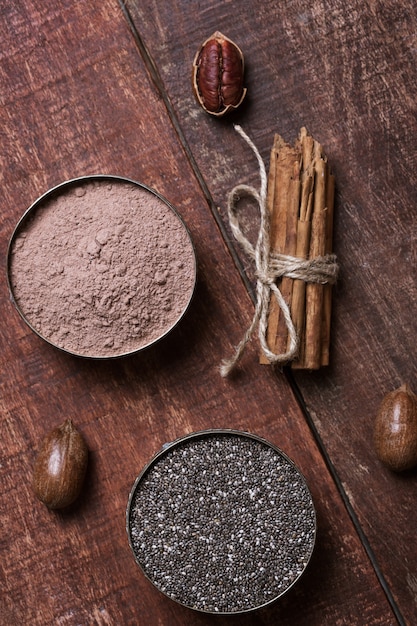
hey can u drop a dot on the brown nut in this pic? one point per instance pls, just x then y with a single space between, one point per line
395 430
60 467
218 71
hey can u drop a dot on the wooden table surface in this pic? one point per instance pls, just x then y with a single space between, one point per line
102 86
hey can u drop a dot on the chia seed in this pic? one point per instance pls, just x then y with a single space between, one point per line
221 522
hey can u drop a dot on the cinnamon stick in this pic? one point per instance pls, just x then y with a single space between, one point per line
300 202
314 291
306 144
283 204
327 290
290 248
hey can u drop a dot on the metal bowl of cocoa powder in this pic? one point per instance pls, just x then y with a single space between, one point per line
221 521
101 267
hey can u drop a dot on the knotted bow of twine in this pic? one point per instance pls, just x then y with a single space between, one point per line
269 268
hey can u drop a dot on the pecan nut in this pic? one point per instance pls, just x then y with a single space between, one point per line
218 72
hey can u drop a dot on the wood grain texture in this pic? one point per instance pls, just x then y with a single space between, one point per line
77 99
345 70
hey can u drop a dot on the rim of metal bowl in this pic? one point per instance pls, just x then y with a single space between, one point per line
166 448
55 191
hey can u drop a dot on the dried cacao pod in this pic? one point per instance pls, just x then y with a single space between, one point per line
218 72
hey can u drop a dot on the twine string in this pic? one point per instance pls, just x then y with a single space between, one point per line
269 268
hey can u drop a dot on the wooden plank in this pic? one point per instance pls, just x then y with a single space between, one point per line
346 71
77 99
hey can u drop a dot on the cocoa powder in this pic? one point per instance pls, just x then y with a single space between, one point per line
102 268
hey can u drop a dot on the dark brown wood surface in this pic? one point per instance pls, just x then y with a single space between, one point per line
99 87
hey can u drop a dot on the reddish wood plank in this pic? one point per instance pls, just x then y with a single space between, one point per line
346 71
76 100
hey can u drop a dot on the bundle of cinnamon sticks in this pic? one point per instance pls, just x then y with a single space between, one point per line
300 201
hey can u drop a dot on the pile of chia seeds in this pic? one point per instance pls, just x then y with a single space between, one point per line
222 522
